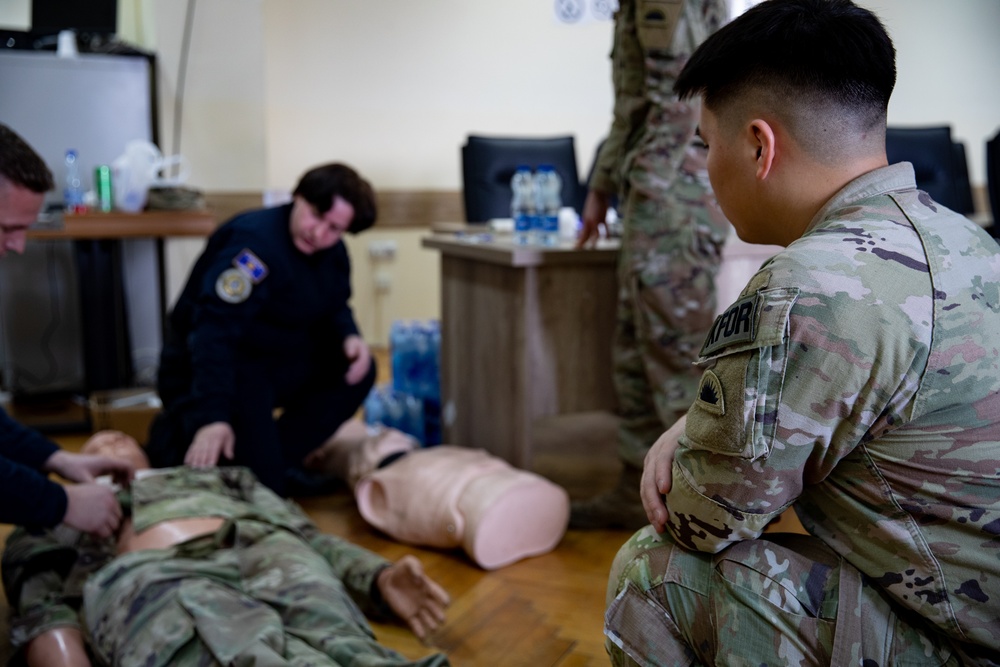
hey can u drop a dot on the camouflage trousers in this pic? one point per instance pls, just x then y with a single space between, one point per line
670 256
784 599
269 599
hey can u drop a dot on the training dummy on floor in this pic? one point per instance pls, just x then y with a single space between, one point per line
446 496
211 565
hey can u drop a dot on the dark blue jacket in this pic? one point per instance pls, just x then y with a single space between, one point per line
27 496
299 308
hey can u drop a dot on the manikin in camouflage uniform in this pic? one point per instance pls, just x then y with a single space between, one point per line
673 235
856 379
214 569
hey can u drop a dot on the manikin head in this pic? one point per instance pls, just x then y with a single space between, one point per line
117 445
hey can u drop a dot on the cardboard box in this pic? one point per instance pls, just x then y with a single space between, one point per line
128 410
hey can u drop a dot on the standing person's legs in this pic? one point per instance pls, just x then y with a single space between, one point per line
670 257
785 600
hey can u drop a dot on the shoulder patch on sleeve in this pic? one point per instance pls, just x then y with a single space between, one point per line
738 324
233 286
251 265
710 394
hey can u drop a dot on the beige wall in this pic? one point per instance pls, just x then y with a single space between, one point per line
393 87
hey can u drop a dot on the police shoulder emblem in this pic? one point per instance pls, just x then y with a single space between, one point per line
233 286
250 264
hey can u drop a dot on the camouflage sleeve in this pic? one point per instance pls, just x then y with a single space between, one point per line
631 104
795 379
43 576
356 567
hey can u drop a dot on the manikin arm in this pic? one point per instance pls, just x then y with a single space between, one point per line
59 647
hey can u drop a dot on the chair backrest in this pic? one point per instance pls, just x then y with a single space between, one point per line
993 181
940 166
489 162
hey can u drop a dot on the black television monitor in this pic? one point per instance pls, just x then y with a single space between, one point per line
98 17
488 162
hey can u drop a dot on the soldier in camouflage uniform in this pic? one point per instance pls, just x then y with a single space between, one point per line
856 380
265 586
673 235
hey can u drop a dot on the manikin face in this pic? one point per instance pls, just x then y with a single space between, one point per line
19 209
312 232
117 445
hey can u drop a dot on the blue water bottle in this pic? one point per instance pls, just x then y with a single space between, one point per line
549 195
522 204
73 193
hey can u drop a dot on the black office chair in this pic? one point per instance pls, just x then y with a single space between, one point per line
993 182
938 162
489 162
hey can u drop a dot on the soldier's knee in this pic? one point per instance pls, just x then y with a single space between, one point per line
632 562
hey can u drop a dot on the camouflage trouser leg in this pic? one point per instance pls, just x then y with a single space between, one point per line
785 600
666 305
270 602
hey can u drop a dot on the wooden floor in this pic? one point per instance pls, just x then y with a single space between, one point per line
541 611
544 611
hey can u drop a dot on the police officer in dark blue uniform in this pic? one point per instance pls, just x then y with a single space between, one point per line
264 324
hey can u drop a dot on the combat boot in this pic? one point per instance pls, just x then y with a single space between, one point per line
619 508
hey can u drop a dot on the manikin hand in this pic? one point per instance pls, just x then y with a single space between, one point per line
413 596
656 475
357 352
58 647
595 210
211 441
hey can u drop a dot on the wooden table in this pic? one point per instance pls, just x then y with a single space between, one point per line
96 238
525 334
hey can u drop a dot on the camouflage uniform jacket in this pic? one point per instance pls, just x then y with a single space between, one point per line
44 574
858 377
653 40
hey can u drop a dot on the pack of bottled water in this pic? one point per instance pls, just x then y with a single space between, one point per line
535 202
384 405
415 392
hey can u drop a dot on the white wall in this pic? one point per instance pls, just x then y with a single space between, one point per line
393 87
948 69
275 86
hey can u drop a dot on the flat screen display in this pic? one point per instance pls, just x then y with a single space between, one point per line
90 16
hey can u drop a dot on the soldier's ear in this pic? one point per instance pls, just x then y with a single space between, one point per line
762 141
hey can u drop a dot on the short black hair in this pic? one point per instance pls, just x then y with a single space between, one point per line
321 184
21 165
832 50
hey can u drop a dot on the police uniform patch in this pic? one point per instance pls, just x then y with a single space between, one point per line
710 394
233 286
251 265
737 325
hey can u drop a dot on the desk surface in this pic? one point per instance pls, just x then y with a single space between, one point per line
499 248
149 224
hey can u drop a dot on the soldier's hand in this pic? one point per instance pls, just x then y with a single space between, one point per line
413 596
595 211
92 508
360 357
210 442
656 475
